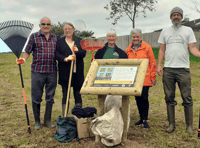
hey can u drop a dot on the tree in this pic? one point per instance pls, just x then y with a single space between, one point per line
58 29
193 5
130 8
84 34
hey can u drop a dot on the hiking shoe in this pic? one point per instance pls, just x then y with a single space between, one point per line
139 123
146 125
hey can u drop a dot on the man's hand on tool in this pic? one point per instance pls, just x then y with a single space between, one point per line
20 61
70 58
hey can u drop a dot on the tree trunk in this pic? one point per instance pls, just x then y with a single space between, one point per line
133 21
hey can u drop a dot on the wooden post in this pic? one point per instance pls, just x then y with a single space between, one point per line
125 108
101 100
88 89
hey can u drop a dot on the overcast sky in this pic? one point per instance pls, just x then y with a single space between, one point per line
92 12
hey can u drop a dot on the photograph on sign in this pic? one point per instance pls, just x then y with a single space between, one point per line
115 76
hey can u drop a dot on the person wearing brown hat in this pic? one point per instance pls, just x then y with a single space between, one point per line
174 42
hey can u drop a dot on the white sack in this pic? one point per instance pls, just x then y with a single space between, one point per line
115 100
109 127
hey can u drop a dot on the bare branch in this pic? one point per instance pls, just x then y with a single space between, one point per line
130 8
193 7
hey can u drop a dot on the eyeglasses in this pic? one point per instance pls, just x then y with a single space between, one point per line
43 24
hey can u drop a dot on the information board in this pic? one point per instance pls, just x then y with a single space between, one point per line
115 76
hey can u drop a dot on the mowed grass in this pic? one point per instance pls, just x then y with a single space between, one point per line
13 124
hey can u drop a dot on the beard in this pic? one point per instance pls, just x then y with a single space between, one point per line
176 23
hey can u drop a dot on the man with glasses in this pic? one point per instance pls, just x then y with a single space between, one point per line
42 45
174 42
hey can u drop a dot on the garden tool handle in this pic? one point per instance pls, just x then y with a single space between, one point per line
199 126
25 103
69 86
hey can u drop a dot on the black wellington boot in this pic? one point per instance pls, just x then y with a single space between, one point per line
78 99
47 116
36 112
63 109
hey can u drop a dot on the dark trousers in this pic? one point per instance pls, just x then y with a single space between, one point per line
143 103
39 81
183 78
77 95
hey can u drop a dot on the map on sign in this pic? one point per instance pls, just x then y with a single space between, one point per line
115 76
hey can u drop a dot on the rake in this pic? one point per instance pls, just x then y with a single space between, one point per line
15 33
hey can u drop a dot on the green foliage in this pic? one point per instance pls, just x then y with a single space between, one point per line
58 30
156 51
130 8
84 34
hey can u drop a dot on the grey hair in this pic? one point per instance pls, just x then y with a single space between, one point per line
136 30
43 18
111 32
68 23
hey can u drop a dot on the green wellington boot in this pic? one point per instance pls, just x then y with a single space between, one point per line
189 118
171 118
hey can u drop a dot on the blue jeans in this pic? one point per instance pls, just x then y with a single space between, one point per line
38 82
171 76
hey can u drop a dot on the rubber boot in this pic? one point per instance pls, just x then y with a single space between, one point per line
36 112
47 116
171 118
189 118
78 99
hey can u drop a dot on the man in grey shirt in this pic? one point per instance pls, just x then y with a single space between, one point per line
174 42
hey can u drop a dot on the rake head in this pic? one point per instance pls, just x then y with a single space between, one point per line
15 33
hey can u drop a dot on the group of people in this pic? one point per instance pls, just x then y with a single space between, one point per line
174 42
46 49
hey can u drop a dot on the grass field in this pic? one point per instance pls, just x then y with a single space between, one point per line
13 126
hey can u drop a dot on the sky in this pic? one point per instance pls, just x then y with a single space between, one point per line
92 13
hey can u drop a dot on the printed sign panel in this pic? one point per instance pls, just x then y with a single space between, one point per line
115 76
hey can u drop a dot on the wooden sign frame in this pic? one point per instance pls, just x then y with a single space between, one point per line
88 89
